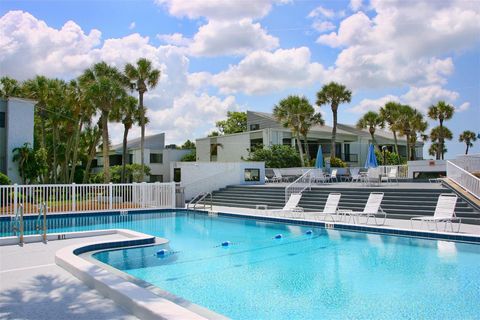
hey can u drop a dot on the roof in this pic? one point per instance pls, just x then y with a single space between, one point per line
379 133
156 141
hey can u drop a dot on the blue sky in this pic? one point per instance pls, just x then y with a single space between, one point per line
218 55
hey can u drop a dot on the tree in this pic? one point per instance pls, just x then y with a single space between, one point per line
277 156
25 156
371 120
441 111
293 112
142 77
236 122
191 156
188 145
9 87
436 134
104 86
411 122
390 113
311 119
433 150
468 137
128 114
333 94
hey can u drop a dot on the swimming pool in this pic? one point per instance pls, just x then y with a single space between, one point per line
328 274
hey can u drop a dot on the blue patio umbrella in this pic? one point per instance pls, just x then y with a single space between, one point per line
371 161
319 160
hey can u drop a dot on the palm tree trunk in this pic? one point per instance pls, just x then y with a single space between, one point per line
408 146
442 140
91 155
396 141
54 146
334 132
299 143
75 151
106 158
124 152
466 151
307 151
142 135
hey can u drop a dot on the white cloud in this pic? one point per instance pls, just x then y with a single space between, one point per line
262 72
31 47
176 39
231 37
463 107
321 12
323 26
132 25
218 9
405 43
355 5
373 104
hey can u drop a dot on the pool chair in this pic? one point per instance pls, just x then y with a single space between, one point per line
444 212
331 206
277 176
391 175
333 175
290 210
372 208
317 176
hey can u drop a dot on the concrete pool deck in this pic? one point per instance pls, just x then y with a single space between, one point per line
32 286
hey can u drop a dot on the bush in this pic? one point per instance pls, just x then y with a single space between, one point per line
391 158
132 173
4 180
277 156
337 163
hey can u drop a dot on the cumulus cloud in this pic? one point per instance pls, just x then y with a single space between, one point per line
323 26
132 25
176 39
405 43
373 104
321 12
176 106
263 72
355 5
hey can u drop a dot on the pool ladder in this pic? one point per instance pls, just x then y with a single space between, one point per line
41 222
201 199
17 224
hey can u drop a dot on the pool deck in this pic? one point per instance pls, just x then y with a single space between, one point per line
32 286
467 229
349 185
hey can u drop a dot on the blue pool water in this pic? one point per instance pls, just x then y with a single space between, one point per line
329 274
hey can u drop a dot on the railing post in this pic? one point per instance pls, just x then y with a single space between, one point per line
110 196
144 184
15 198
174 194
74 197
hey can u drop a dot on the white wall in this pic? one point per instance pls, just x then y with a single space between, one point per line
426 166
203 149
19 127
231 147
199 177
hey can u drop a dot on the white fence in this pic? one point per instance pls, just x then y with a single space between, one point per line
86 197
463 178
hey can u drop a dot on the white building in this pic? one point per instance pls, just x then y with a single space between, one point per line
16 129
351 146
157 156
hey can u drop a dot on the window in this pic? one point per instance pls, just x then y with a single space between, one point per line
156 178
156 158
254 127
256 143
252 174
2 119
177 174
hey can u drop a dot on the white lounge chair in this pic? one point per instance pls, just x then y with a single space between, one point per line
391 175
333 175
317 176
331 205
444 212
372 208
355 175
277 177
291 208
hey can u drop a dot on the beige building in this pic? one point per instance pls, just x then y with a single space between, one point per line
351 146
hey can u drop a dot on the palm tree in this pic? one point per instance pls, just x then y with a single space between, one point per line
333 94
104 88
292 112
410 123
436 134
9 87
311 119
433 150
441 111
371 120
390 113
128 114
25 157
468 137
143 77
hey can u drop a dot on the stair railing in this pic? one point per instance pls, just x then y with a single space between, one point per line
299 185
464 179
201 198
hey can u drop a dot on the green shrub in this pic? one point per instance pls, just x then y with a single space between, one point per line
391 158
4 180
192 156
277 156
337 163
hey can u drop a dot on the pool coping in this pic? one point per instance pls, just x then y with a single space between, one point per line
137 300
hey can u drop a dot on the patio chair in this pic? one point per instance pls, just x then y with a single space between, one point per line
331 205
373 176
444 212
355 175
333 175
277 176
391 175
317 176
372 208
291 207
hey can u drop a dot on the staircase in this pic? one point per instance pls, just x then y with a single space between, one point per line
399 203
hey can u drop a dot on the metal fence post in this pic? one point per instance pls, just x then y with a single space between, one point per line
74 197
110 196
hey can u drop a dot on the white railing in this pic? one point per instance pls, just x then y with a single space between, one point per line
298 186
86 197
463 178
